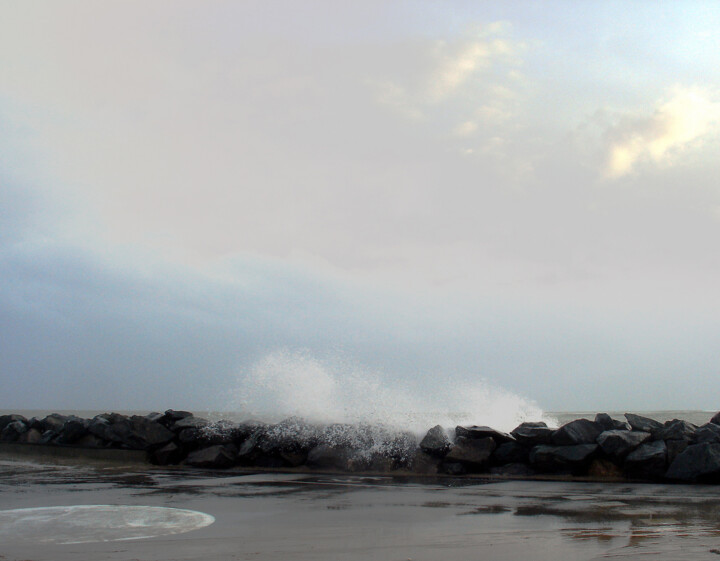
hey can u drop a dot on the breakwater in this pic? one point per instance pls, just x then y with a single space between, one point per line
638 448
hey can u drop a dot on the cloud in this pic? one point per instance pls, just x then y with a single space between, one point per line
683 121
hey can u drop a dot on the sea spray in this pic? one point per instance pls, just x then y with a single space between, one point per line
333 389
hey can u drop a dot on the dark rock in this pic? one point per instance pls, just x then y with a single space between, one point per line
581 431
90 441
619 443
171 453
510 453
674 448
532 434
171 417
135 433
479 432
643 424
647 461
698 462
13 431
219 456
425 463
189 423
54 422
709 432
48 437
715 419
436 443
453 468
328 457
513 470
562 459
473 453
608 423
675 430
154 416
73 430
32 436
5 420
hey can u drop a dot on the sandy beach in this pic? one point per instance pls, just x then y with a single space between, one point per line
275 516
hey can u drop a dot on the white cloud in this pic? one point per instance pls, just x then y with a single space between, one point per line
682 121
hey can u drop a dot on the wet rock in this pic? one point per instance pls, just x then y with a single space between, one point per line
608 423
220 456
531 434
73 430
453 468
5 420
709 432
170 417
675 430
643 424
619 443
674 448
715 419
171 453
425 463
473 453
154 416
54 422
328 457
698 462
581 431
13 431
513 470
647 461
189 423
435 443
563 459
48 437
479 432
135 433
510 453
90 441
32 436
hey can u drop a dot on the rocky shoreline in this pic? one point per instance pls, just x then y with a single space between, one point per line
639 448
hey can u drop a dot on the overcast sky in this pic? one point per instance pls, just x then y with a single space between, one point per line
518 197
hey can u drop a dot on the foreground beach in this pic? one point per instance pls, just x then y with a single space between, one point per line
281 516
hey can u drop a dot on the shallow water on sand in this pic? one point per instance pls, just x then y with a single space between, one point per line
325 517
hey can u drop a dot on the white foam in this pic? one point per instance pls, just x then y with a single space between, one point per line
288 383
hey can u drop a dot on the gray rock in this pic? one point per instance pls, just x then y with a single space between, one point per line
581 431
473 453
675 430
479 432
73 430
698 462
675 448
574 459
647 461
425 463
54 422
436 443
532 434
328 457
189 423
608 423
32 436
219 456
643 424
171 453
510 453
13 431
715 419
619 443
709 432
5 420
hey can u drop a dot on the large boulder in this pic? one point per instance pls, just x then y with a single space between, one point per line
189 423
473 453
698 462
675 448
73 430
135 433
510 453
608 423
329 457
709 432
171 453
563 459
54 422
619 443
647 461
425 463
581 431
643 424
13 431
716 418
218 456
479 432
676 429
532 434
435 442
5 420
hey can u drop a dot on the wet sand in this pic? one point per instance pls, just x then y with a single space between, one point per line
274 516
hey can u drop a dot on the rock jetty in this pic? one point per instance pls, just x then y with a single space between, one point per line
636 449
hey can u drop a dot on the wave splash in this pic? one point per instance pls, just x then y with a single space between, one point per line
291 383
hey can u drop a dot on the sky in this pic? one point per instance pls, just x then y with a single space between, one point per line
206 204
